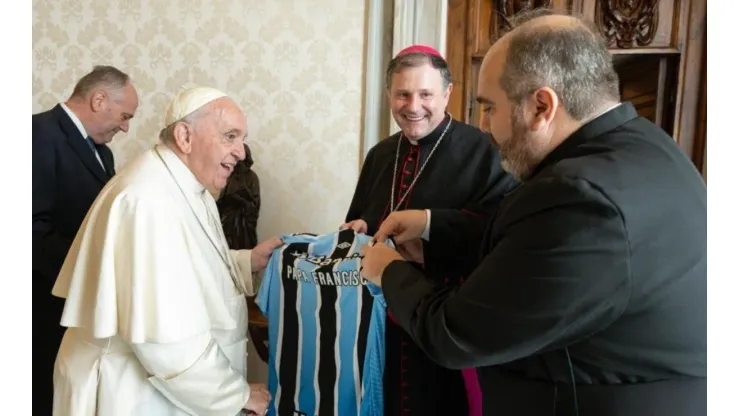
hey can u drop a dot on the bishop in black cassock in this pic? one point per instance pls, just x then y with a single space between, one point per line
455 173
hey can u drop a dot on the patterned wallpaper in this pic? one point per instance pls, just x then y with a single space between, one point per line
294 66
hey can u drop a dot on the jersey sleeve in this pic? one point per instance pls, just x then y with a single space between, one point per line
372 378
377 291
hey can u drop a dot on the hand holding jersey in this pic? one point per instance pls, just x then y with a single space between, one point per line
259 399
262 252
405 228
376 257
358 226
402 226
412 251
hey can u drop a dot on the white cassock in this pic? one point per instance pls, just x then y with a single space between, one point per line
155 305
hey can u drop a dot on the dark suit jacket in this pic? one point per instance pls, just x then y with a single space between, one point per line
592 293
67 178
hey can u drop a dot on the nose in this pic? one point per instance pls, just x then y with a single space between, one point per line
124 126
414 102
483 123
239 152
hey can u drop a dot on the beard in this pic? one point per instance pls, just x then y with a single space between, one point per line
520 155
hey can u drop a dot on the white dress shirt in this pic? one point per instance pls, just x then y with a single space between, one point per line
81 128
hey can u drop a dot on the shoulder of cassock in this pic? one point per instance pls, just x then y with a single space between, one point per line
129 270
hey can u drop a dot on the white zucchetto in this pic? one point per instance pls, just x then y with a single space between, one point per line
189 100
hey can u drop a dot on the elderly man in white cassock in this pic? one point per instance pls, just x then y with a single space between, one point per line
155 301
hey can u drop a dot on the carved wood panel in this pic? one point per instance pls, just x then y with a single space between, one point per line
630 24
491 17
670 33
509 8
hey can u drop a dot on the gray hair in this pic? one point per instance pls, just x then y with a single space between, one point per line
574 61
417 59
104 77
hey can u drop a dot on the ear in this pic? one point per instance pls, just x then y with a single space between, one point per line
183 137
545 103
448 93
98 101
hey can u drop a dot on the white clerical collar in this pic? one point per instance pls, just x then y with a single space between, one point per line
415 142
183 175
75 120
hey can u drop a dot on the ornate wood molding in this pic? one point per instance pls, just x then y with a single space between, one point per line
628 23
506 9
509 8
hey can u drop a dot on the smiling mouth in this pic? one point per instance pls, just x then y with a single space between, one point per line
414 119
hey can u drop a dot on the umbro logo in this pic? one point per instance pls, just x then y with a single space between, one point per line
343 245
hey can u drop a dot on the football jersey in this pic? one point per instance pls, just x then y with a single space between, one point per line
326 328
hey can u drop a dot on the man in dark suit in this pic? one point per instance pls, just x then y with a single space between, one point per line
590 298
71 163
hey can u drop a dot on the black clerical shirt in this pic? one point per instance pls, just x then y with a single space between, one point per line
591 298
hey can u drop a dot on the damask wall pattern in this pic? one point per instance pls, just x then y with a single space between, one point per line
295 67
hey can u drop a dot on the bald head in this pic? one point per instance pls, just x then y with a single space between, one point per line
540 82
543 17
105 101
546 49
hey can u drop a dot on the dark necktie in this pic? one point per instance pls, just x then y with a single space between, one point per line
91 143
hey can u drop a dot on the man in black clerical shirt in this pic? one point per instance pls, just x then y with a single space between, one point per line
590 299
453 172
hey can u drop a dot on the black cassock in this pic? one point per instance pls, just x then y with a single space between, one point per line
591 298
462 184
